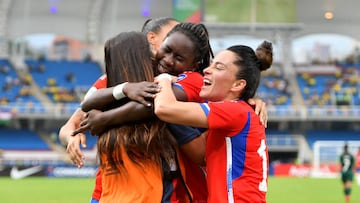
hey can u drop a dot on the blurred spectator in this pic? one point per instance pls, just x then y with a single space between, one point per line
88 58
30 68
8 84
41 68
4 69
70 77
25 91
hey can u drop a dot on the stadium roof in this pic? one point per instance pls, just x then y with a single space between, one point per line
97 20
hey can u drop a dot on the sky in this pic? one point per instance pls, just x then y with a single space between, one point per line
40 40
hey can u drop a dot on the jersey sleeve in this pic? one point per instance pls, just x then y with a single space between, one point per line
190 83
183 134
229 115
100 83
98 187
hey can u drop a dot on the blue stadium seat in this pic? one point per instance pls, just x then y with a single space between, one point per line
24 139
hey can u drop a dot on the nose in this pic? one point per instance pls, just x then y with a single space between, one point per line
206 70
169 60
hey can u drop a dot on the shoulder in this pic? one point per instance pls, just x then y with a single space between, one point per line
101 82
231 104
189 75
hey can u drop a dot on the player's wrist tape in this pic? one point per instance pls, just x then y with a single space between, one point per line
118 91
164 76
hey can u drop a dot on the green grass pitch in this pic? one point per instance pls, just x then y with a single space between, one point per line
46 190
78 190
308 190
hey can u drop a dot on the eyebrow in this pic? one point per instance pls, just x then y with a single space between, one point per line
218 62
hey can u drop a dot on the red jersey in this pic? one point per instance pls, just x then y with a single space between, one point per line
236 153
99 84
190 83
192 175
97 190
357 158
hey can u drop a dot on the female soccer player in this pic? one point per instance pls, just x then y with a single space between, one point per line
155 30
236 150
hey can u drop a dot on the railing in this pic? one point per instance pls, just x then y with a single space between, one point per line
24 110
276 113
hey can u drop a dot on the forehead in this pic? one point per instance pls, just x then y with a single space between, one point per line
225 57
180 41
180 44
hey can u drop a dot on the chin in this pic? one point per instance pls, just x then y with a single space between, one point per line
203 95
161 69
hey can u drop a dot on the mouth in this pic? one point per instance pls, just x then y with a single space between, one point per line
162 69
207 82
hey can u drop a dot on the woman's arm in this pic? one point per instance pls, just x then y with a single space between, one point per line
168 109
140 92
73 142
97 121
99 99
195 149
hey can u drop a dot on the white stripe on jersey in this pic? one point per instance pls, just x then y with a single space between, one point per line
229 169
90 92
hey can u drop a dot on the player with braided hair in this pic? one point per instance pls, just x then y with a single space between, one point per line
185 50
200 36
177 54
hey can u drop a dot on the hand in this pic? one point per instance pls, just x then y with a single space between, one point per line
260 109
141 90
73 149
94 121
73 143
165 76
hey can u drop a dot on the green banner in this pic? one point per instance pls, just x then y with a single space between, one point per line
5 118
187 10
250 11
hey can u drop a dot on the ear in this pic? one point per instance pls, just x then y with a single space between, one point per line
239 85
151 37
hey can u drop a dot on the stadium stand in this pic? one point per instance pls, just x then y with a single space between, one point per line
22 139
13 87
331 88
64 81
275 88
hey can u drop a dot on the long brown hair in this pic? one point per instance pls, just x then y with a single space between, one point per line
128 58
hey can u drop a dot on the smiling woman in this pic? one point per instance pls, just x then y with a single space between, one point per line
236 150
